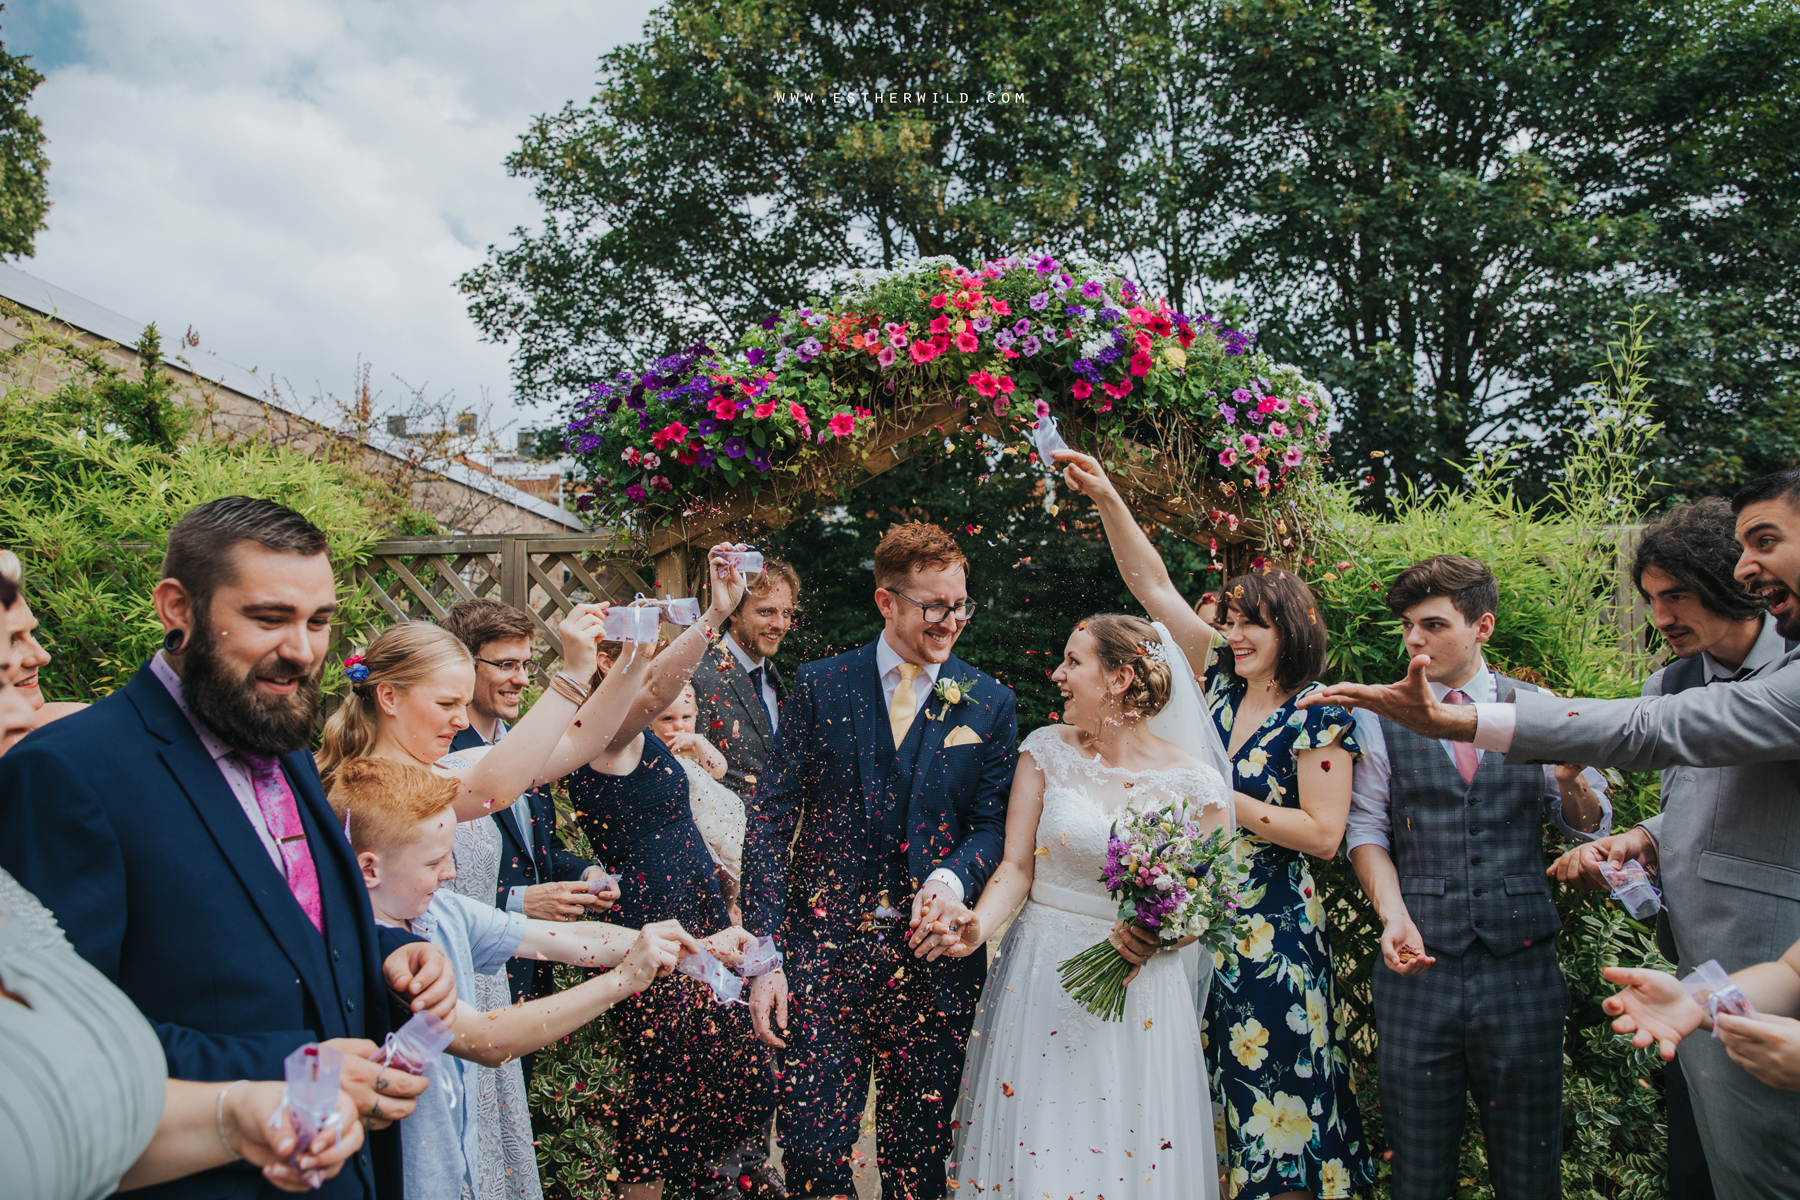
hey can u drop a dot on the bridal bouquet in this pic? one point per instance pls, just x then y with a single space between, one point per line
1169 878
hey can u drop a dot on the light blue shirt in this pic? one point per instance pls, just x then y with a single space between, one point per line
478 939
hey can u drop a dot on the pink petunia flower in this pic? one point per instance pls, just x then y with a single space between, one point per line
967 342
1081 389
652 461
1281 404
1001 404
843 424
1293 457
1140 364
1277 429
1005 384
897 339
938 300
885 358
723 407
922 352
766 407
1251 443
798 412
940 324
1042 409
1001 307
1262 477
660 483
1228 457
984 384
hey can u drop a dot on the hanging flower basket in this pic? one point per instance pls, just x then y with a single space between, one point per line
807 394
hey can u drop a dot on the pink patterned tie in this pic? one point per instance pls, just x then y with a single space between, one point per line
1466 755
282 815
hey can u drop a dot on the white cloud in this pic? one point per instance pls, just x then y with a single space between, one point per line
303 180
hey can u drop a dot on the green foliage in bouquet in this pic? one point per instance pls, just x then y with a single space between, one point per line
94 470
1556 565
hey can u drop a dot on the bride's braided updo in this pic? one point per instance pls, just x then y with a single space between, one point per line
1122 641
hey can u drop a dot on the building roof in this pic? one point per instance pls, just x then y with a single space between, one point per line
28 291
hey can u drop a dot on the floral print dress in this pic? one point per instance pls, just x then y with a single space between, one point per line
1273 1030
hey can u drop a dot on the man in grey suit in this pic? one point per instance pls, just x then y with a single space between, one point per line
736 685
1728 848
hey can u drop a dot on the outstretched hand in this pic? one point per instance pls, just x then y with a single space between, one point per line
1652 1008
1410 702
1084 474
728 582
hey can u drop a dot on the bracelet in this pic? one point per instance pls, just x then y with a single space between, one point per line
219 1121
569 688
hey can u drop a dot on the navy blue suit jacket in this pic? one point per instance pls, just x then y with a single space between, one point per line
545 862
119 820
825 774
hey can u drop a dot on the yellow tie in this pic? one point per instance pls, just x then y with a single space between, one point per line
906 702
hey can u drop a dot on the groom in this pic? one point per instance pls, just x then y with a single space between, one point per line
896 761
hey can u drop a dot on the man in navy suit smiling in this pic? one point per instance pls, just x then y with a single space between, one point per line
178 832
896 761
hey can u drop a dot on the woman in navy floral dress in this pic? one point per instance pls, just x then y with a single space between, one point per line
1273 1030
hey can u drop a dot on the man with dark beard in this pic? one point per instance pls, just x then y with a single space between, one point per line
1727 846
178 831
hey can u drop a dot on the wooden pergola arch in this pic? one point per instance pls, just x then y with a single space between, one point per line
1143 476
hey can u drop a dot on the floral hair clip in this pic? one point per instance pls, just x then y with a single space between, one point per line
355 669
1156 650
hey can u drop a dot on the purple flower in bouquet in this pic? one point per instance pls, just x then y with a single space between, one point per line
1075 310
1127 289
705 426
1242 396
1039 301
734 446
760 460
1229 413
769 322
1043 266
1022 327
809 349
754 356
1004 339
1110 314
705 457
584 502
644 421
1093 289
982 324
1030 345
637 493
1084 369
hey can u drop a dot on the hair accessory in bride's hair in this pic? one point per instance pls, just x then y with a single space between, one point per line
1157 651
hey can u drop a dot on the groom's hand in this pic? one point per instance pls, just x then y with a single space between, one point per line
933 903
1410 702
766 991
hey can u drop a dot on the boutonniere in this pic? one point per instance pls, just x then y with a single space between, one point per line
951 692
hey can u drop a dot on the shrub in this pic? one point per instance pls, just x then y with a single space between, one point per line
97 465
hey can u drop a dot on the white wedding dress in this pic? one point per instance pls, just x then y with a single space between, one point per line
1056 1102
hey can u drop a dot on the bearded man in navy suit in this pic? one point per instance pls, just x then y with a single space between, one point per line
178 832
895 760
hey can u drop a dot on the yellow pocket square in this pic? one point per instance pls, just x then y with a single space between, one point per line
962 735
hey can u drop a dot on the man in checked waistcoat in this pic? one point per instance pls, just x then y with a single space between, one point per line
1449 846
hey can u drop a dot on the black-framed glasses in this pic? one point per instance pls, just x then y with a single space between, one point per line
937 614
506 666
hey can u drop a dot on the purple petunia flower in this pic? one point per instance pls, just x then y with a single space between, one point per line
584 502
754 356
706 457
770 321
637 493
982 324
1044 265
1256 418
734 446
1022 327
1127 289
706 425
1243 396
1093 289
644 421
1004 339
1063 282
1229 413
760 460
1038 301
1030 345
809 349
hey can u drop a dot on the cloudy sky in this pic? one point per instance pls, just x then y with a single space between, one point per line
301 181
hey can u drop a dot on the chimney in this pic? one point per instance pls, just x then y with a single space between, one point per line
397 426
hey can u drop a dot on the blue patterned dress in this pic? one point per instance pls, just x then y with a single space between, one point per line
1273 1029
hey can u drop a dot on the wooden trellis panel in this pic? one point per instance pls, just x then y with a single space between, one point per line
420 579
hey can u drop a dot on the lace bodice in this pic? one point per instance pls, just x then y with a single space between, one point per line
1082 797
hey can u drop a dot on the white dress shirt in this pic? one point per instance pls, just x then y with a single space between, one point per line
749 664
1768 647
887 666
1369 823
235 770
520 812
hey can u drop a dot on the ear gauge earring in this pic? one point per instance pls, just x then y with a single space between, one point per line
174 640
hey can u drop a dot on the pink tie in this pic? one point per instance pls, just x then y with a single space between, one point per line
1466 755
282 815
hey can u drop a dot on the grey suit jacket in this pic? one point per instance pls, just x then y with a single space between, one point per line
1728 837
733 717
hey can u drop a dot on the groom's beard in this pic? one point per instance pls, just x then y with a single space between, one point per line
243 717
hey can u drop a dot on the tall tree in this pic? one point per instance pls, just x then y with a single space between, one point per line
23 163
1450 200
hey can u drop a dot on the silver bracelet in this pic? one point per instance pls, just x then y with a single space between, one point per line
580 688
219 1120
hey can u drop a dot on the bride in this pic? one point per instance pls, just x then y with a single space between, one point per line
1054 1100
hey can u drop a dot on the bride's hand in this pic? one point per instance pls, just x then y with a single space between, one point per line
1134 945
949 938
1084 473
